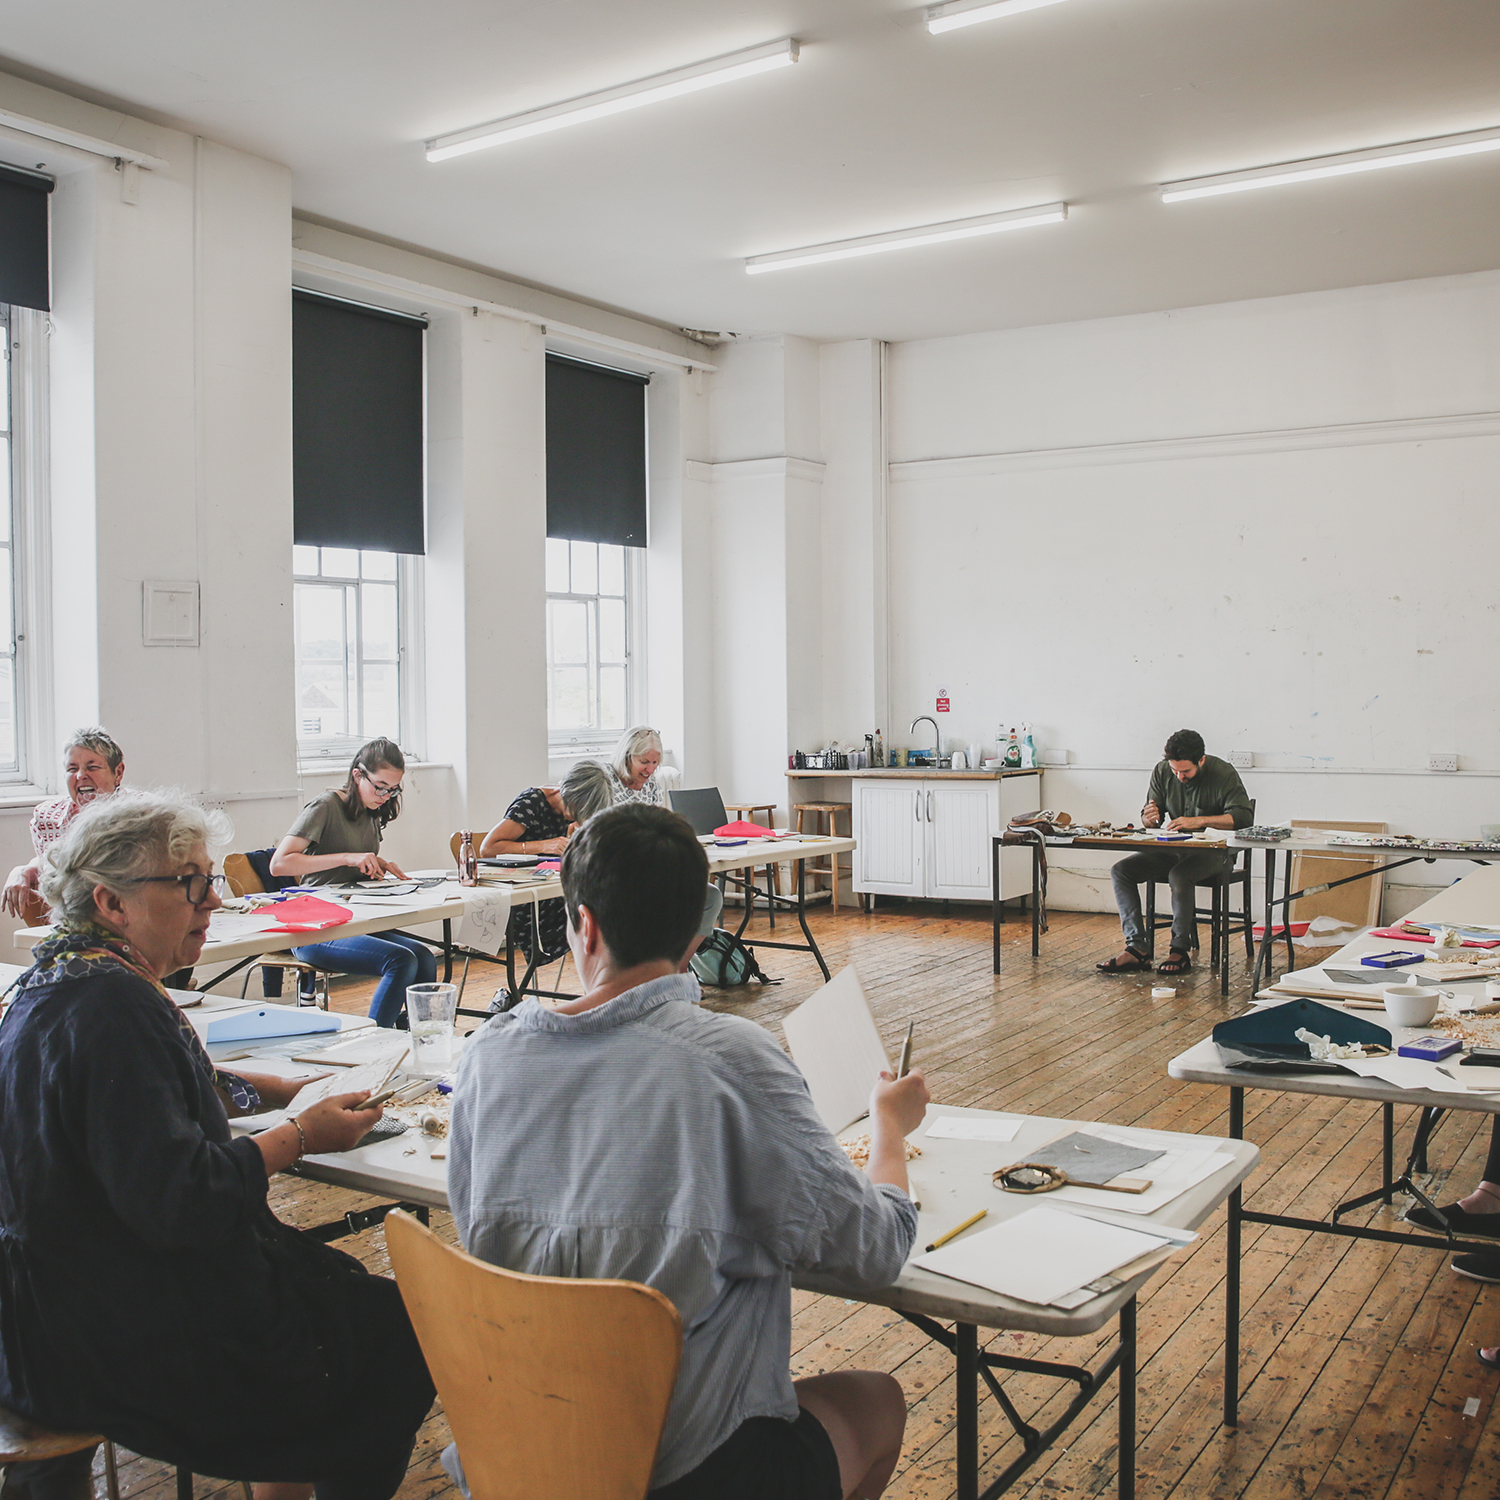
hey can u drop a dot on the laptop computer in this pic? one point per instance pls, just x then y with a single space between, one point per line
703 807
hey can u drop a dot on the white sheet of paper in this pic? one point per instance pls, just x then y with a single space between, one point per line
966 1128
486 912
1473 901
373 1044
1040 1255
372 1075
228 926
1171 1174
1411 1072
833 1039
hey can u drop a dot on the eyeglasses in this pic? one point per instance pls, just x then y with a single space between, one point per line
381 790
196 886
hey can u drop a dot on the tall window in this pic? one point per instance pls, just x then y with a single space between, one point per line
11 405
348 632
588 641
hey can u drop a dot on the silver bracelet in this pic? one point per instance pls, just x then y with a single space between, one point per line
297 1126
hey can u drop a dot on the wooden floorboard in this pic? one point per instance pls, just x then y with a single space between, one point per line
1357 1359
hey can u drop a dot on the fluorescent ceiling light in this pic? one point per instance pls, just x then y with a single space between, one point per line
1371 160
613 101
971 12
903 239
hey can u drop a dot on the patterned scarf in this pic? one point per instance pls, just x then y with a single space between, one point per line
79 950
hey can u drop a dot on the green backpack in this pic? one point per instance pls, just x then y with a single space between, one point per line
723 961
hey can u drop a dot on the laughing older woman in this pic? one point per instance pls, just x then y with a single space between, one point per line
636 757
148 1291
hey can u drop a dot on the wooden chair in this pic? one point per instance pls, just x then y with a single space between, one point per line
750 812
242 880
22 1441
828 868
551 1385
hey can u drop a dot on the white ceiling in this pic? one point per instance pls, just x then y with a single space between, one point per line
880 125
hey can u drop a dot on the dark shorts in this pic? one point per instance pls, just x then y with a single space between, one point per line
764 1459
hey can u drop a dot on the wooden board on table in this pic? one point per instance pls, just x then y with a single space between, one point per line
1357 903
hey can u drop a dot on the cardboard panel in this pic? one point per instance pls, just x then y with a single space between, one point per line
1358 903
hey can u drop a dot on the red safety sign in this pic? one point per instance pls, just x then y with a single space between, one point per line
942 705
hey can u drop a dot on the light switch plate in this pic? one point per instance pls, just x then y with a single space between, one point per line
169 613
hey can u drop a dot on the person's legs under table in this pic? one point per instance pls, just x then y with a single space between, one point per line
1188 869
1126 877
398 961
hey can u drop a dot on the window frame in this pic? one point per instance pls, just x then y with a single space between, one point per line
317 753
26 350
589 741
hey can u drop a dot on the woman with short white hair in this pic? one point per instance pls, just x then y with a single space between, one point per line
634 763
149 1293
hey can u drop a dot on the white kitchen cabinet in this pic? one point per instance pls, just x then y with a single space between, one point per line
931 836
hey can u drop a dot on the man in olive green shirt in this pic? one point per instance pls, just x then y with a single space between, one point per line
1189 790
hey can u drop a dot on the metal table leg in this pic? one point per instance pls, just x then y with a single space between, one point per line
1125 1480
996 911
1037 856
1232 1277
966 1395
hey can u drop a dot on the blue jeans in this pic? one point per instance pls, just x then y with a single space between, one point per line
398 960
1182 869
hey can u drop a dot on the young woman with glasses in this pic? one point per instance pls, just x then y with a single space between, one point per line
335 841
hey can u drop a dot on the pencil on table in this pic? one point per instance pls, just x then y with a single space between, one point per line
957 1229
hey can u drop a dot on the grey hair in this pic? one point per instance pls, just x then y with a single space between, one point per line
587 789
115 842
99 741
633 742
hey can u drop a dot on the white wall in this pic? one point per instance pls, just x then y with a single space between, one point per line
1274 522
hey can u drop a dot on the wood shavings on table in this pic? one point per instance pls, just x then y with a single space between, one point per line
1480 1031
858 1151
429 1114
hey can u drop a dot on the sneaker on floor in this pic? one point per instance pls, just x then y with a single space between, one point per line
1479 1267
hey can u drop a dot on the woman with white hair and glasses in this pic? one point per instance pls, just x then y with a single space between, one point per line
634 764
148 1291
93 766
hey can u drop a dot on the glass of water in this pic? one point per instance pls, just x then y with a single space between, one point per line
429 1012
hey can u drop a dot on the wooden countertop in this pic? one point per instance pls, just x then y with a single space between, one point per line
927 773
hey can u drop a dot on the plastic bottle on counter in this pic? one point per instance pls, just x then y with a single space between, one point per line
1013 753
1028 749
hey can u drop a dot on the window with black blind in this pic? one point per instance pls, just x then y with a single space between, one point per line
357 426
24 279
596 453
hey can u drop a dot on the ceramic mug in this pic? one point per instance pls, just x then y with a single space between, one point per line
1410 1004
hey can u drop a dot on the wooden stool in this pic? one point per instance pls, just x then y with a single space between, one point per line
23 1442
826 869
747 811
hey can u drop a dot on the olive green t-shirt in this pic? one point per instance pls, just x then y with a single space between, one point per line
1216 789
326 825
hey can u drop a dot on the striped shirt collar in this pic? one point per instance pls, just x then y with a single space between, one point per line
623 1009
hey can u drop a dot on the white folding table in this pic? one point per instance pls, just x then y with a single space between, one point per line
951 1180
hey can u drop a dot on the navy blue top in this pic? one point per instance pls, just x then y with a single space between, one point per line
146 1289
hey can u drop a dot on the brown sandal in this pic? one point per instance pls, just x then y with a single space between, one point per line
1141 965
1176 962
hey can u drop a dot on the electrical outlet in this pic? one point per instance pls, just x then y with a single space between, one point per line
1442 762
1244 759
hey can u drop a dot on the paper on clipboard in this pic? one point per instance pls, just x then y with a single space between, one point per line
833 1039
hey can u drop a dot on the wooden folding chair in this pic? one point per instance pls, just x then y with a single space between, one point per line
552 1386
240 875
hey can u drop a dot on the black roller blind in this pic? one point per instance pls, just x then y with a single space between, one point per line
356 426
24 280
596 453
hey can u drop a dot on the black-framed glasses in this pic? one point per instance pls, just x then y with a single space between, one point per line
196 886
385 793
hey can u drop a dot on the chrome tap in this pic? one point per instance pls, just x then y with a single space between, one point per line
937 738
